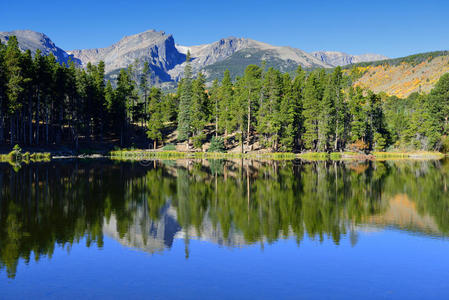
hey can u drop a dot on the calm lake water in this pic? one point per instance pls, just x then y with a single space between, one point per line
216 229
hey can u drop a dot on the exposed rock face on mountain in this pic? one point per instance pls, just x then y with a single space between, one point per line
151 46
167 60
155 236
237 53
335 58
32 40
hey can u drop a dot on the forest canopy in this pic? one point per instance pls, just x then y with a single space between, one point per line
45 103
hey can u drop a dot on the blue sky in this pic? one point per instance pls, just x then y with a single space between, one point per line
393 28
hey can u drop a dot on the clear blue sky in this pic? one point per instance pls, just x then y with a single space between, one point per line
393 28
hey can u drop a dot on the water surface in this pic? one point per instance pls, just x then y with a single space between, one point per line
220 229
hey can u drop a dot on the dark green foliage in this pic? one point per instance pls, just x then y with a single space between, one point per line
217 145
44 103
185 103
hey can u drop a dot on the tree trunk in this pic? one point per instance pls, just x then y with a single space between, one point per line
11 129
155 144
46 125
37 117
30 121
249 121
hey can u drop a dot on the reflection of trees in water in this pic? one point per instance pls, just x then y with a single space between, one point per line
228 202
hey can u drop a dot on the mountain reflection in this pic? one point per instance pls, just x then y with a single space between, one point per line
231 203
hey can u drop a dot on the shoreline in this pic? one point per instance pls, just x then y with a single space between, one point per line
139 154
143 154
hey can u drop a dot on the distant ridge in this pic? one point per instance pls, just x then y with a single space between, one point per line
32 40
166 58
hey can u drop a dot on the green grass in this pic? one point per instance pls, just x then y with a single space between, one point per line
19 157
142 154
125 154
419 154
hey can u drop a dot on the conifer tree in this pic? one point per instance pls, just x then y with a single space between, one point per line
215 100
144 86
297 93
199 109
288 114
155 126
252 84
311 110
226 100
14 84
185 102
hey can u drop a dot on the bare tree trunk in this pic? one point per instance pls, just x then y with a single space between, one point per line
46 125
249 120
30 120
37 117
11 129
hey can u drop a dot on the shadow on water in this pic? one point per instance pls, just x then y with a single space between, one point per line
231 203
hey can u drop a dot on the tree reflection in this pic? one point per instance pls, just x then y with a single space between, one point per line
233 203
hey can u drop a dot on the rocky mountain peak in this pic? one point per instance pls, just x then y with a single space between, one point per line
32 40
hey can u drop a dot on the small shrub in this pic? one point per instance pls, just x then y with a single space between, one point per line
358 146
217 145
169 147
444 142
198 140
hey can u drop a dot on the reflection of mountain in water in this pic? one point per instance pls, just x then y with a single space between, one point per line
402 213
144 233
155 236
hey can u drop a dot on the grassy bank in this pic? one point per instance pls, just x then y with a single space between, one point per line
145 154
18 156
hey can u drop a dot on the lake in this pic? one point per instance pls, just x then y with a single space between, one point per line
224 229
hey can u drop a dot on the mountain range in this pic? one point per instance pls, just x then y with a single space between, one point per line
167 59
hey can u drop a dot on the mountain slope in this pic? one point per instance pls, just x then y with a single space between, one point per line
154 47
401 76
32 40
336 58
236 53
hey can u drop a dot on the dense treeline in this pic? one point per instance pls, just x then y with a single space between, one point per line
311 112
44 103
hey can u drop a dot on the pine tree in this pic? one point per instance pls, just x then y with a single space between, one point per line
298 98
155 126
252 84
185 102
214 100
145 80
358 109
311 110
14 85
226 100
288 114
200 106
268 115
3 97
121 98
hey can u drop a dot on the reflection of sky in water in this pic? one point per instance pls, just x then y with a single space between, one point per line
384 264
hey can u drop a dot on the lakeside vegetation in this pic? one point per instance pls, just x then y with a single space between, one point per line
17 156
139 154
43 103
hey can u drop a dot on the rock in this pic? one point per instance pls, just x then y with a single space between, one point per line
335 58
32 40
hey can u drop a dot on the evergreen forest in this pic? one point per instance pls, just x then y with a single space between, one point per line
44 103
